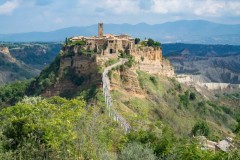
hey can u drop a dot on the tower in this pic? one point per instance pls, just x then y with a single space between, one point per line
100 29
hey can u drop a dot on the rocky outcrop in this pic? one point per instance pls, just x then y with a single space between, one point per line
87 63
128 80
149 59
6 53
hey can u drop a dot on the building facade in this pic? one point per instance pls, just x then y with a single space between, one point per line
106 44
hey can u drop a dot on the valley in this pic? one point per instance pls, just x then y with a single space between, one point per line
22 61
120 80
109 101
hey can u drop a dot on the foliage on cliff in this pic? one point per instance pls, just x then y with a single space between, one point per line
46 78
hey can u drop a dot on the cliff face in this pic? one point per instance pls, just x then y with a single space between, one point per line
127 80
150 60
79 64
78 69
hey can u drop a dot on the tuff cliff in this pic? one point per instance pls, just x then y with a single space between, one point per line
150 59
79 68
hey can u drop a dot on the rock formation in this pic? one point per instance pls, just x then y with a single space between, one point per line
82 56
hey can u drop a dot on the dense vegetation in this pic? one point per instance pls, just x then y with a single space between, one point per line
45 79
58 128
12 93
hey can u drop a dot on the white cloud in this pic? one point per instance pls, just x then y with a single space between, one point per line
207 8
119 6
58 20
8 7
234 6
210 8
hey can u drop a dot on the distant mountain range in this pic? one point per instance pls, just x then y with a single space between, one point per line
184 31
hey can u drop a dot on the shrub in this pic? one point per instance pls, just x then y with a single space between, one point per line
137 40
184 100
192 96
201 129
136 151
153 80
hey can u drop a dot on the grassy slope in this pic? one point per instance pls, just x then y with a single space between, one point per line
161 102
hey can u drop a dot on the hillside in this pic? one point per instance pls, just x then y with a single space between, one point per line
37 55
206 63
162 114
159 98
12 69
21 61
105 90
185 31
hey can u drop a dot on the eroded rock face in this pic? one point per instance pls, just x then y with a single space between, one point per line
127 80
149 59
6 53
130 82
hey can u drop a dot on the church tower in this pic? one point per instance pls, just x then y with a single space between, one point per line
100 30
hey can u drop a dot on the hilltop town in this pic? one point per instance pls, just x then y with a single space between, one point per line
86 55
117 90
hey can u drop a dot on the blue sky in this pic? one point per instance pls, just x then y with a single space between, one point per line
46 15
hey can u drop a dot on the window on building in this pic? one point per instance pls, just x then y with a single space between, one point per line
111 51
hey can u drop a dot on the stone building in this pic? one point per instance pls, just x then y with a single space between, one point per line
106 44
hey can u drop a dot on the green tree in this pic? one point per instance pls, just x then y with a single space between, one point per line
12 93
150 42
137 40
192 96
46 124
157 44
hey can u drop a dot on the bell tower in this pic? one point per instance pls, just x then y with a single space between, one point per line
100 30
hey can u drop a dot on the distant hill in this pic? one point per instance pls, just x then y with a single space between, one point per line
184 31
12 69
175 49
208 63
21 61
